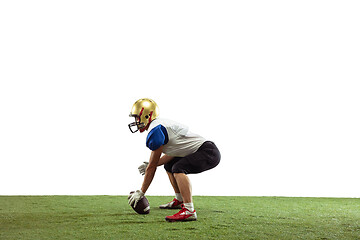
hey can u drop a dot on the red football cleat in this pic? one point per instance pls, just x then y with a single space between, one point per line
174 204
183 215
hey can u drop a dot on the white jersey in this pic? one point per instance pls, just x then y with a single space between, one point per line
180 141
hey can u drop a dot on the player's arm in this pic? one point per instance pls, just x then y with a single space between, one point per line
151 168
164 159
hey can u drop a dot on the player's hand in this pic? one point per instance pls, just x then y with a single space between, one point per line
135 197
142 168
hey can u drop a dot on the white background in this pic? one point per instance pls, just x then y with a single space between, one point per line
275 84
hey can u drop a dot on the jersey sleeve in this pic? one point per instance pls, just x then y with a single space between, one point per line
157 137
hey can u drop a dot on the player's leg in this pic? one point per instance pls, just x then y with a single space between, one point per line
207 157
187 213
184 185
173 182
178 200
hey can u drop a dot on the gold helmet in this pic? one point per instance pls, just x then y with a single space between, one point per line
144 110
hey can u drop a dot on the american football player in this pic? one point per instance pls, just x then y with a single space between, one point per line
179 150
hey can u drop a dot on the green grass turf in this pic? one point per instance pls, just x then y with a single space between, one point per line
110 217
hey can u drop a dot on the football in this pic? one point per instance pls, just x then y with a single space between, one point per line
142 207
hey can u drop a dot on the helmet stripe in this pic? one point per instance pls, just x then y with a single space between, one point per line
150 116
141 113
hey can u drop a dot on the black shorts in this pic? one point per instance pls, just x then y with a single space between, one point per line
205 158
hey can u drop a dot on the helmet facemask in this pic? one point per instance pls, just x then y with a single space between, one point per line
139 125
142 121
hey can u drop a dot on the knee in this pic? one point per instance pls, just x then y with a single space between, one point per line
176 175
168 168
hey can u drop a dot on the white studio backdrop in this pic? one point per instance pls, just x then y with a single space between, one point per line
275 84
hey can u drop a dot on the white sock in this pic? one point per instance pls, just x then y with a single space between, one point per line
178 197
189 206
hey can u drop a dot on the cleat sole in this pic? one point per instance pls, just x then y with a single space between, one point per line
179 207
184 220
